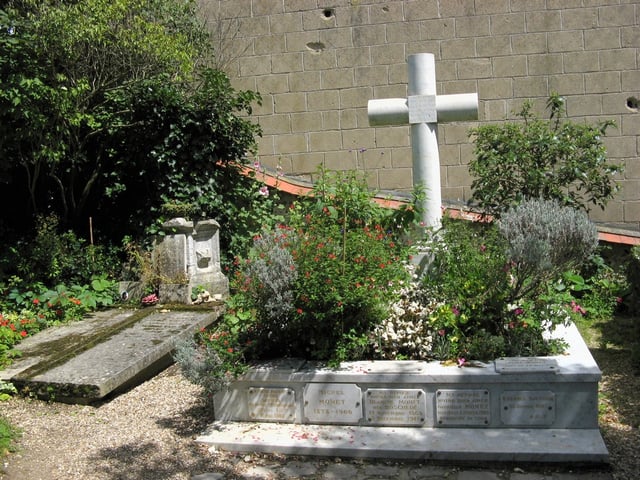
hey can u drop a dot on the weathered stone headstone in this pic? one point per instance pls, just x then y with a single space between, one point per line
188 257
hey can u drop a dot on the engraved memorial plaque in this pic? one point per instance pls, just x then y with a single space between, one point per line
332 403
394 406
526 365
422 109
394 366
272 404
463 407
528 408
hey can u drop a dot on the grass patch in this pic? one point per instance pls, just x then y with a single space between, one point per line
615 346
8 434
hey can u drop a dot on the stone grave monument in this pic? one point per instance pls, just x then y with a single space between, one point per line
186 259
530 409
188 256
513 409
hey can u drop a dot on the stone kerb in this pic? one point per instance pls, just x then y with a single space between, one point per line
538 409
535 393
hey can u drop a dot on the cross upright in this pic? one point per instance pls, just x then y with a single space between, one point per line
423 109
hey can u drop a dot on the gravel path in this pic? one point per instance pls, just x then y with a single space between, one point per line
146 433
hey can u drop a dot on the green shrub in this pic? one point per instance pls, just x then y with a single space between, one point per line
469 274
330 274
544 240
52 257
213 360
533 158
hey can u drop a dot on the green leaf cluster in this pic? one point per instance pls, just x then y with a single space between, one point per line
552 159
108 110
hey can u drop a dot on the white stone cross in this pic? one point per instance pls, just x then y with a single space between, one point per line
423 109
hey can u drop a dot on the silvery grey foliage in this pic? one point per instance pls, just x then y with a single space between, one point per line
544 240
273 268
201 365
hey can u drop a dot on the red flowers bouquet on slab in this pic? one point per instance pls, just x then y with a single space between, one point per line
149 300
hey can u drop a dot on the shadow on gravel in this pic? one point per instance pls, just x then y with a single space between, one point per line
147 462
192 422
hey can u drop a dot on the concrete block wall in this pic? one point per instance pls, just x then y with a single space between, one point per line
318 62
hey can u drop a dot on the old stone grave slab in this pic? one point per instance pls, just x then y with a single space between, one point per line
109 351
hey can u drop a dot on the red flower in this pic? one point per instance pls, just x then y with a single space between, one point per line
299 311
36 301
23 333
230 350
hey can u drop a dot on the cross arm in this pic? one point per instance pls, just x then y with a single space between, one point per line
449 108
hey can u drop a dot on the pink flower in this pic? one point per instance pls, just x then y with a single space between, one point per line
151 299
264 191
577 308
461 362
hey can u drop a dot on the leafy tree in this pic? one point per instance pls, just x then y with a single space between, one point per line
550 159
107 109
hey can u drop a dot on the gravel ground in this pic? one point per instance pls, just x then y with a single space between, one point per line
148 432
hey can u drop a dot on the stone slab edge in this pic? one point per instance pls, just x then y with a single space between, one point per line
580 446
140 369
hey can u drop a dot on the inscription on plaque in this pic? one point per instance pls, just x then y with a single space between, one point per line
332 403
272 404
526 365
393 406
528 407
422 108
394 366
463 407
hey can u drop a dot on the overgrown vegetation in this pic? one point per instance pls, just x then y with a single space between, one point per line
109 111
